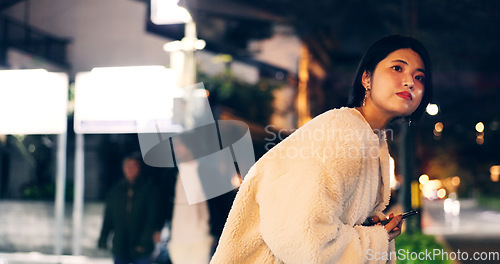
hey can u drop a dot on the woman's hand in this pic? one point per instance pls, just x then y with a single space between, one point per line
393 228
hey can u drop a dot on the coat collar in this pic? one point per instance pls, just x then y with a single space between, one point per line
381 136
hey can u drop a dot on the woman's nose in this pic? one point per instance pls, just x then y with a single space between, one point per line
408 81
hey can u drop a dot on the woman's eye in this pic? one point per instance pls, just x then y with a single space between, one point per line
420 78
397 68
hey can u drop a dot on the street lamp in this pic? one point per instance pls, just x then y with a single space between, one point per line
165 12
182 61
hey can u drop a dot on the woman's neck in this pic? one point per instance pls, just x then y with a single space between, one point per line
375 120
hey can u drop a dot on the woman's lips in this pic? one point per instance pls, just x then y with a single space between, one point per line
404 95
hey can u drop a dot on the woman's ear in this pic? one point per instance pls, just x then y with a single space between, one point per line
365 80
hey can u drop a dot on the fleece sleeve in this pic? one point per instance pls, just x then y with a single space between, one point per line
300 222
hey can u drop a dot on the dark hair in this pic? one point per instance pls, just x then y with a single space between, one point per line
379 51
133 156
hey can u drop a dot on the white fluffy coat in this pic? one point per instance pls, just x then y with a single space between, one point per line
305 199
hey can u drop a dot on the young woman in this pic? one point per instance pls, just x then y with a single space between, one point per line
306 199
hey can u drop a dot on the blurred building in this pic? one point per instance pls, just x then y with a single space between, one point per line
77 35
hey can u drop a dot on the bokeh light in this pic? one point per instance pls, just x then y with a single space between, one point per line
439 127
441 193
455 181
424 178
432 109
480 127
495 173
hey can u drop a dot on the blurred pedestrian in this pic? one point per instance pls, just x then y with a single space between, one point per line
307 199
130 213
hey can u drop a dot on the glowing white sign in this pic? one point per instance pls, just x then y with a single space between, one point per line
33 102
119 99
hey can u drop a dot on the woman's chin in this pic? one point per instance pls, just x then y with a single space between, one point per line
403 112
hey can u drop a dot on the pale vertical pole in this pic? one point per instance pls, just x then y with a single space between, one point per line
60 193
189 71
78 194
177 65
190 64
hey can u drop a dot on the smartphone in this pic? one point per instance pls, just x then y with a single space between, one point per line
384 222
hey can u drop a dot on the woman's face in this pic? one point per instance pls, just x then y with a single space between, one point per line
396 85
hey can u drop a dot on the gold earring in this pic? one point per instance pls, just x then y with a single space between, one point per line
364 99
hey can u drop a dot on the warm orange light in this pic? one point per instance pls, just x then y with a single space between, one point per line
439 127
480 140
480 127
495 173
495 177
236 181
441 193
455 181
423 179
303 111
495 169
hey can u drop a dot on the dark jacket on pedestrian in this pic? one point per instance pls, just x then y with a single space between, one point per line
131 214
